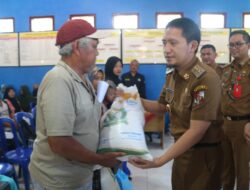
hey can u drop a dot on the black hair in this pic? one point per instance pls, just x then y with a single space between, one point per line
208 46
109 66
245 35
190 30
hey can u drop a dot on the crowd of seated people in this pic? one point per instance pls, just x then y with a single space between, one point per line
12 102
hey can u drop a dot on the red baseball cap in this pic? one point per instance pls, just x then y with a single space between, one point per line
75 29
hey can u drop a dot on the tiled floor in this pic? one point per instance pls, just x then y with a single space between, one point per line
157 178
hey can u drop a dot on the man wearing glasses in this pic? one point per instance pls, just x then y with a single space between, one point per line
236 107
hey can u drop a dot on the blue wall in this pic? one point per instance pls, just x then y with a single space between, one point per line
22 10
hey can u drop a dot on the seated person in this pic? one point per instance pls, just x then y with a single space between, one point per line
4 109
11 100
95 75
5 112
25 98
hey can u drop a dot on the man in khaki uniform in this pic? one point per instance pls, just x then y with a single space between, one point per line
236 105
247 133
208 56
68 115
192 95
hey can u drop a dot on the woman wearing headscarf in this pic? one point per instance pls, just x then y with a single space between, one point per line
113 69
10 98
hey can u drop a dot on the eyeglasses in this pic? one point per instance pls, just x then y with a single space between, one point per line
236 44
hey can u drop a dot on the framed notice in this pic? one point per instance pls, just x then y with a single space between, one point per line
109 46
145 45
9 49
218 38
38 48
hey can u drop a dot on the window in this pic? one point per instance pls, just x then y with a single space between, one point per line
89 18
164 18
246 20
7 25
212 20
129 21
39 24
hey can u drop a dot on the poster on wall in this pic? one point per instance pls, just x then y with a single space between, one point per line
38 48
145 45
218 38
9 49
109 46
247 30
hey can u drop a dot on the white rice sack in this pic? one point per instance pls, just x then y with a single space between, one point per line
122 126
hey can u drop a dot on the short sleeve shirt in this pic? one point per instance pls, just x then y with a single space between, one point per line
193 94
66 107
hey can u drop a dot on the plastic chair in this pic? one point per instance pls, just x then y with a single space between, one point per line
8 170
7 183
26 128
32 105
33 112
20 155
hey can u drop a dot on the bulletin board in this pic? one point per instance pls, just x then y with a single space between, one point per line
218 38
38 48
109 46
145 45
9 49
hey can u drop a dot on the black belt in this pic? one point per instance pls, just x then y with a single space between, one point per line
237 118
206 145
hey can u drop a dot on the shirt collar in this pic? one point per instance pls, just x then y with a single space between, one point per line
86 83
73 74
241 63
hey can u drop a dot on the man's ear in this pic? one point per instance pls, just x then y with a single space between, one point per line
193 46
75 47
216 55
248 44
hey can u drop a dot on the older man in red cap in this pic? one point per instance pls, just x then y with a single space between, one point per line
68 115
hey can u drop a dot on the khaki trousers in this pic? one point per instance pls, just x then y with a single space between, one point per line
234 131
198 169
228 173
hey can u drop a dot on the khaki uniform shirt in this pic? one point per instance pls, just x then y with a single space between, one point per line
193 94
218 69
236 74
66 107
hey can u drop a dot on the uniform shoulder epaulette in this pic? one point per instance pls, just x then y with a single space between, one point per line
198 71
